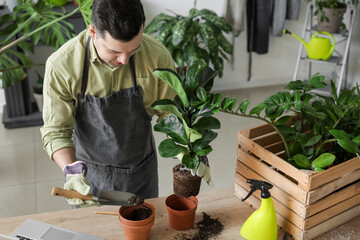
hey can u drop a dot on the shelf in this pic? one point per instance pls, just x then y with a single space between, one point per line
333 60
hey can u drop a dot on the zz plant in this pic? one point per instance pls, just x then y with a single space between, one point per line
189 124
317 131
196 36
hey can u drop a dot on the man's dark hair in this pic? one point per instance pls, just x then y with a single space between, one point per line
121 18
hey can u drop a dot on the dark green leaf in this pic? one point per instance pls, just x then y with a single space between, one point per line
302 161
258 109
356 140
317 81
174 81
171 126
168 148
205 151
313 140
349 145
190 162
206 123
339 134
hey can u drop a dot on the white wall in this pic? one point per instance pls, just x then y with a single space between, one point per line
276 67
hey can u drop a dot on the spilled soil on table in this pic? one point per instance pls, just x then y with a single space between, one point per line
205 229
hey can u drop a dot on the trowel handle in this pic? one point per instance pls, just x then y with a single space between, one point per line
69 194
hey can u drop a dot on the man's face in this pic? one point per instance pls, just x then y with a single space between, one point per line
112 51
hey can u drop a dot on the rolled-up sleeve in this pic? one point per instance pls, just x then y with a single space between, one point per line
58 112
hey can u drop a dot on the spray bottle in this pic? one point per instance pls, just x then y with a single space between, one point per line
262 224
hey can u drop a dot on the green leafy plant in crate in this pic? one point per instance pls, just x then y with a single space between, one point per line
317 131
196 36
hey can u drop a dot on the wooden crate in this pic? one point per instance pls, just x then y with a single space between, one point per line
307 203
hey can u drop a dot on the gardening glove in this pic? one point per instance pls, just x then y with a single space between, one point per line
75 174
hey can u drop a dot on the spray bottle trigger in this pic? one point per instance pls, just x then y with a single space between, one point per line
251 192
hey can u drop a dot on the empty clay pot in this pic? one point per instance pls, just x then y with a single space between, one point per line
181 211
136 230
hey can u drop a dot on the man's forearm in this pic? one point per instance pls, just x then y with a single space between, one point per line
64 156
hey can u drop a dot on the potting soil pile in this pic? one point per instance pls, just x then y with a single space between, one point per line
205 229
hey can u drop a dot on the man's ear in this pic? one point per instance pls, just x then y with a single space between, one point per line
92 31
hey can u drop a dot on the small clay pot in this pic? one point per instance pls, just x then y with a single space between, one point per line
136 230
185 184
181 211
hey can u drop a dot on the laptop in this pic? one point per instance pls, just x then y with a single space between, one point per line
32 229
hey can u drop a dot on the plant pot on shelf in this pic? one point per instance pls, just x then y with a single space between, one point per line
181 211
39 101
185 184
137 221
335 16
307 203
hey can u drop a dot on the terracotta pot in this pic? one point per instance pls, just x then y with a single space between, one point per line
136 230
185 184
335 16
181 211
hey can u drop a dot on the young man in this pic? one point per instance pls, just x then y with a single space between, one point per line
98 92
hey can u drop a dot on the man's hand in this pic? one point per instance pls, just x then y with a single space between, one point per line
75 180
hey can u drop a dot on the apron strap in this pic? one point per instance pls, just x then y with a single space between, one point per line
86 70
132 69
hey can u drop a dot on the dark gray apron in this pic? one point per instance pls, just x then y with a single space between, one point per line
113 135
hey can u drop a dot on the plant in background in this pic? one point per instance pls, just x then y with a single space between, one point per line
196 36
320 131
33 22
189 122
333 4
38 87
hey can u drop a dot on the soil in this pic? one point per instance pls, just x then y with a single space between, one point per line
205 229
185 184
135 200
140 214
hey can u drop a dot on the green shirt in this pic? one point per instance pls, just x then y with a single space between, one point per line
63 76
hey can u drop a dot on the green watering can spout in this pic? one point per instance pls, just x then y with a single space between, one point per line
318 47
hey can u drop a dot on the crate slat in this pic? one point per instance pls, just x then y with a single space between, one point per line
281 196
332 186
277 179
334 172
250 146
332 211
332 199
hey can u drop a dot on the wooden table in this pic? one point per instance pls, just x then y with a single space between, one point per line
220 204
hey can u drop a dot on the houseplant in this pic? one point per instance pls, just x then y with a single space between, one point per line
188 127
38 91
330 13
20 31
307 150
196 36
33 22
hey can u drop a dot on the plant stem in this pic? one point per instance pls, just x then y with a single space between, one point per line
287 150
25 36
321 146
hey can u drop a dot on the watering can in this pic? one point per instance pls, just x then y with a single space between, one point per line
318 47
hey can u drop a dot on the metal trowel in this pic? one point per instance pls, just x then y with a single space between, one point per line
107 197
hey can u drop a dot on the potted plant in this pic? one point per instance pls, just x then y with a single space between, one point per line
38 91
330 13
188 127
20 31
196 36
308 149
33 22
